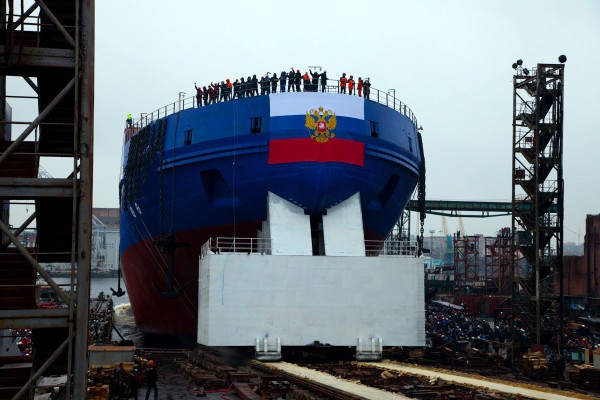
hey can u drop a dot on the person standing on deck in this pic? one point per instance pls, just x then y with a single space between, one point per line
198 95
297 79
129 120
242 88
282 79
351 85
367 87
343 81
306 80
314 87
360 86
204 95
274 81
323 77
291 80
254 85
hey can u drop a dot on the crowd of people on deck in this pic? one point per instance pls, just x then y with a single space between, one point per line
292 81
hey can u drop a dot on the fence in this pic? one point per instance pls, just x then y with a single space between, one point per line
373 248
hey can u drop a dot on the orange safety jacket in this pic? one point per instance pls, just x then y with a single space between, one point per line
343 81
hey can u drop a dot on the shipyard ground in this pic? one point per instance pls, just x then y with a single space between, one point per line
194 374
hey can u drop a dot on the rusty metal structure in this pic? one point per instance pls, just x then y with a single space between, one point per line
538 199
47 58
498 262
466 261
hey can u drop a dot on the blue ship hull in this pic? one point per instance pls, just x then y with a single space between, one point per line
205 172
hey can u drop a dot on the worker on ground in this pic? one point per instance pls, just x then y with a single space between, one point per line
360 86
343 81
351 85
129 121
152 378
198 95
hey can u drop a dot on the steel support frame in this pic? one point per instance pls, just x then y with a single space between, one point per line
80 59
537 182
466 260
498 262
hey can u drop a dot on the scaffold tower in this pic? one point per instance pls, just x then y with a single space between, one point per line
466 260
537 205
498 262
46 106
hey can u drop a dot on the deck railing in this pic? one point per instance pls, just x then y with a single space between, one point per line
333 86
221 245
373 248
377 248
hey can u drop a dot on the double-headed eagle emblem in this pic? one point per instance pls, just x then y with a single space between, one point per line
322 123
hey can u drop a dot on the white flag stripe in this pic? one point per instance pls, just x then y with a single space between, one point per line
293 103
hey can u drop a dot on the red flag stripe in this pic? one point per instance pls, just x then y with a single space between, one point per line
282 151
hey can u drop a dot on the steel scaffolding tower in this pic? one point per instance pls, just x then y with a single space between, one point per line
537 206
466 260
47 57
498 262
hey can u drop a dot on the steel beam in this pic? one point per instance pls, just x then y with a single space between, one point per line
37 57
84 143
18 231
38 318
56 22
33 188
61 293
43 369
59 97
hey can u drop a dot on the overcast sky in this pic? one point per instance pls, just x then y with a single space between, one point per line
450 61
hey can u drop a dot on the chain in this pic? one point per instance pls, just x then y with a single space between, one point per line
159 146
421 198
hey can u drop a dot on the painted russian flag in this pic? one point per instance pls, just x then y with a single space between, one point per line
282 151
288 115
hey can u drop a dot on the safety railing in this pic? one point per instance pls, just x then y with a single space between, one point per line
333 86
222 245
373 248
378 248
